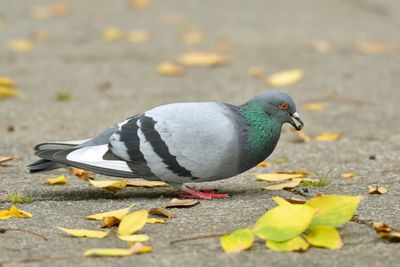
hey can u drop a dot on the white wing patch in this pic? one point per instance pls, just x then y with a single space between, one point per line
93 155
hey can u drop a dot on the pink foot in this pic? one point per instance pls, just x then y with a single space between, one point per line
204 194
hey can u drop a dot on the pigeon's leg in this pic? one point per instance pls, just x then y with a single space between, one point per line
188 192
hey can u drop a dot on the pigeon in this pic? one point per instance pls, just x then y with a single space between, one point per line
180 143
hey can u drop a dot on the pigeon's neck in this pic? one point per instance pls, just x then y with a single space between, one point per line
263 132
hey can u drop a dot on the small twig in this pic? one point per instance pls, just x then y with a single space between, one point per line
357 219
39 259
10 249
3 230
211 235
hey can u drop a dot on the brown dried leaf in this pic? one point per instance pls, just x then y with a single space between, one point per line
162 212
291 184
50 11
192 37
295 201
5 159
276 177
376 47
386 231
376 190
203 59
170 69
110 221
256 72
320 46
145 184
82 174
181 203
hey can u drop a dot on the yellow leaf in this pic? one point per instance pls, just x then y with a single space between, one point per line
82 174
110 221
324 236
139 248
14 212
5 159
84 233
256 72
20 45
333 210
112 186
328 136
294 172
386 231
8 92
57 181
295 244
162 212
292 184
138 36
112 34
108 252
315 106
202 59
192 37
145 184
140 4
7 82
284 222
170 69
376 47
320 46
285 78
134 238
181 203
264 164
280 201
276 177
119 214
347 175
133 222
376 190
237 241
155 220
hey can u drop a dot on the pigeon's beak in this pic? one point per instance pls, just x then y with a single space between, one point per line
295 117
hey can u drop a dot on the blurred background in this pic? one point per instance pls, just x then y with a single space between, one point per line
80 66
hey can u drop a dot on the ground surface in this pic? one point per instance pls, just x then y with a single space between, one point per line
269 34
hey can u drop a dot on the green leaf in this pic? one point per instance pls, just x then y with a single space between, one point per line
333 210
295 244
284 222
239 240
324 236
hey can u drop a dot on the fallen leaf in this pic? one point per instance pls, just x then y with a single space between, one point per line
5 159
8 92
140 4
132 222
284 222
293 172
112 186
285 78
320 46
315 106
155 220
174 203
375 47
347 175
295 244
7 82
324 236
117 252
84 233
333 210
256 72
280 201
14 212
378 190
138 36
57 180
146 184
134 238
119 214
82 174
386 231
192 37
41 36
264 164
276 177
327 136
291 184
302 136
202 59
20 45
237 241
112 34
170 69
50 11
110 221
162 212
295 201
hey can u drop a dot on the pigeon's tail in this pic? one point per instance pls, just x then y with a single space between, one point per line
43 165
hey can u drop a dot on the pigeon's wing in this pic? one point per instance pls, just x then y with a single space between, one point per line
181 142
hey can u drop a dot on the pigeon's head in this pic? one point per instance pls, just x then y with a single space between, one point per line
282 107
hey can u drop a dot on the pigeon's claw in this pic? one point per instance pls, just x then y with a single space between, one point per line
187 192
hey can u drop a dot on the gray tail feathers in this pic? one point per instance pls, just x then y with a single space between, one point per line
43 165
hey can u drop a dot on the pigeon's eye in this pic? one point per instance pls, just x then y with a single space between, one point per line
283 106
